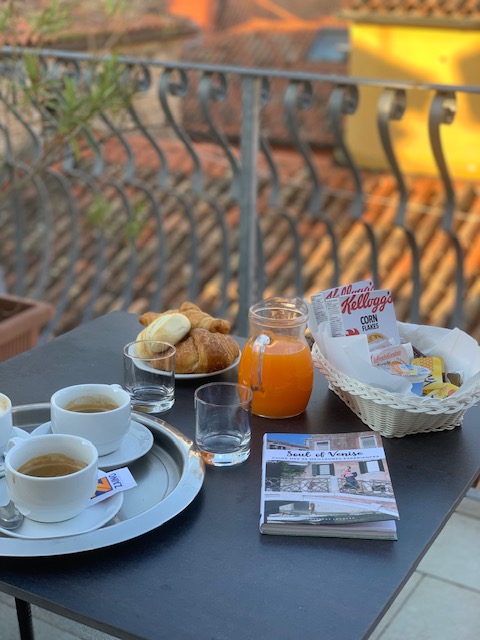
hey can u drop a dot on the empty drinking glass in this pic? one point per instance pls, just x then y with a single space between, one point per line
222 422
149 375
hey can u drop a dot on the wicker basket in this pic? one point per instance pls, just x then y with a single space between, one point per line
391 414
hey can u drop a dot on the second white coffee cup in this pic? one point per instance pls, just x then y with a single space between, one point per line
100 413
51 478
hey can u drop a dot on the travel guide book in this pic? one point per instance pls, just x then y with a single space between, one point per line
331 485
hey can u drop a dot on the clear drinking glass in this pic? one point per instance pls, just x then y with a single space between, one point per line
149 375
222 422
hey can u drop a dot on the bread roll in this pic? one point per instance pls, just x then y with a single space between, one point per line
166 328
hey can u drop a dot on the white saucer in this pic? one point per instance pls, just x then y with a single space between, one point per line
185 376
17 433
136 443
194 376
90 519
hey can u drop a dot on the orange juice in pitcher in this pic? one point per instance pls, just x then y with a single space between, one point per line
276 362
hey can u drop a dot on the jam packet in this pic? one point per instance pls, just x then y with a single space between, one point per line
392 353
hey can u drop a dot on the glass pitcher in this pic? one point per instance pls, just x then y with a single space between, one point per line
276 362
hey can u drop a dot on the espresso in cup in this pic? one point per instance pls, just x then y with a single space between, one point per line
100 413
51 465
91 404
51 477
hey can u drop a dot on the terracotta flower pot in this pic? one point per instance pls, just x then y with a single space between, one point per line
21 320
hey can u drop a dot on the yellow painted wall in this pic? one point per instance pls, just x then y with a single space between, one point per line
446 56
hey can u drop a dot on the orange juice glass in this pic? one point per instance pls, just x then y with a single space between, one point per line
276 362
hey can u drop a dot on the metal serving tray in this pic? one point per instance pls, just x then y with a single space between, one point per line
168 478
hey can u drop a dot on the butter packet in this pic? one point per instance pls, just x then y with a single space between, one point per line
440 391
437 369
112 482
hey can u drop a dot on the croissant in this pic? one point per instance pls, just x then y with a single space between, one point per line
198 319
202 351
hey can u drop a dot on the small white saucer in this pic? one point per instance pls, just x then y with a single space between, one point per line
136 443
90 519
17 433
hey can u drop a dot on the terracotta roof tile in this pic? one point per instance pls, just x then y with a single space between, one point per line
89 26
465 10
286 50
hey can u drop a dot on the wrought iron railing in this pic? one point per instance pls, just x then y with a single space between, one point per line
203 202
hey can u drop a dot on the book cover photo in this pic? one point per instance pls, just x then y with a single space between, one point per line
333 485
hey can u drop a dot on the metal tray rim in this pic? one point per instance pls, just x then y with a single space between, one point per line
187 488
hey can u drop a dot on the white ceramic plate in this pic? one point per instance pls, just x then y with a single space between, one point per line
136 443
194 376
17 433
187 376
90 519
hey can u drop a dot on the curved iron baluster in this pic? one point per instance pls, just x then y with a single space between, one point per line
73 255
179 89
194 288
274 178
344 101
261 281
295 99
162 255
132 256
162 179
266 150
299 287
163 175
130 179
207 92
34 137
166 85
391 106
442 111
45 205
274 201
96 173
19 231
298 95
225 274
100 262
162 183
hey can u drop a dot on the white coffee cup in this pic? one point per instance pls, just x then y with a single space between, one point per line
55 498
100 413
6 424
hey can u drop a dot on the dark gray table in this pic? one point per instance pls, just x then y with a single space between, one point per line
209 573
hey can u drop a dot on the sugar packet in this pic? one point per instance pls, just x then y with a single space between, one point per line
112 482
